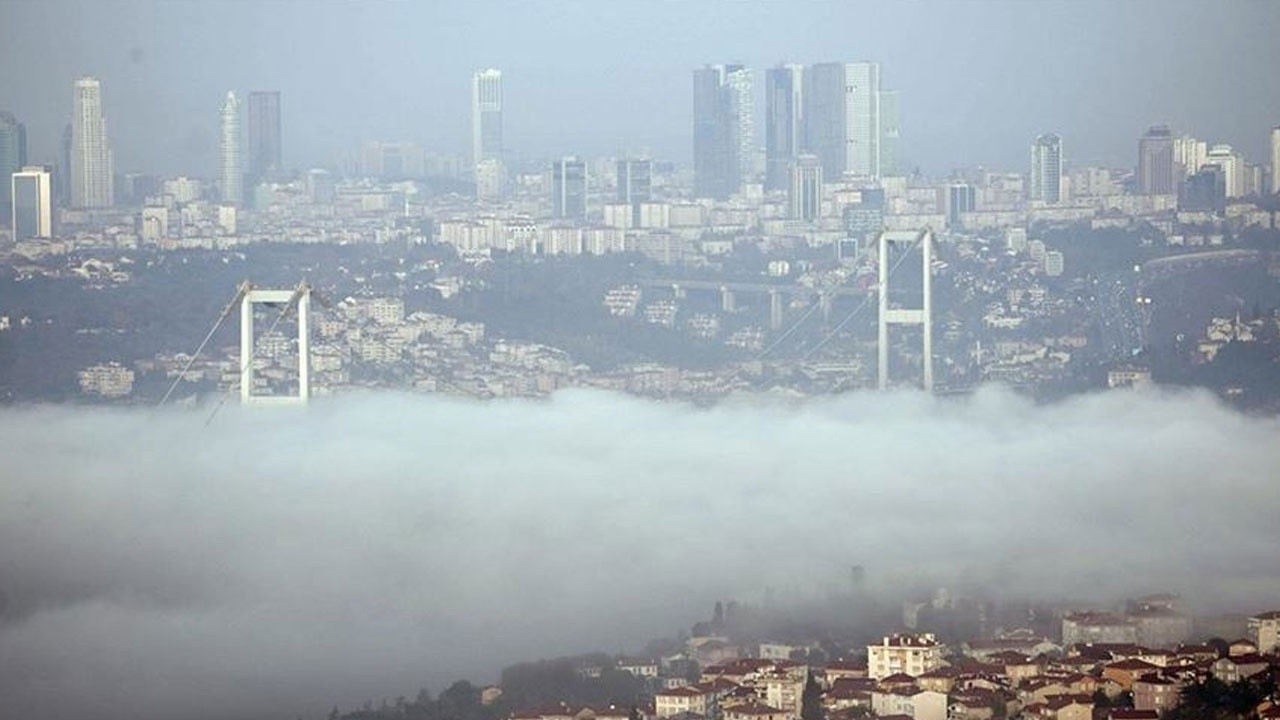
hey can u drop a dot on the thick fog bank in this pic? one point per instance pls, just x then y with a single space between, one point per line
281 560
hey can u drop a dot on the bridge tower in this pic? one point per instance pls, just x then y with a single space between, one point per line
299 297
922 315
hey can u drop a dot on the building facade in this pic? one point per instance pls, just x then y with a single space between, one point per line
569 189
1046 170
723 130
912 655
842 118
13 154
783 123
1156 174
806 188
232 168
91 169
266 148
31 190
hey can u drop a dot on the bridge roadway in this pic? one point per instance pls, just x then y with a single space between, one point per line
789 289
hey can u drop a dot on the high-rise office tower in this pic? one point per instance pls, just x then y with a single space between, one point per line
1155 162
890 132
486 116
13 155
635 185
232 167
1046 169
569 189
1275 160
806 188
32 191
842 118
783 123
723 129
91 175
266 151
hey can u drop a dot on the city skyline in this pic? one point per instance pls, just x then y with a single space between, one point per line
943 126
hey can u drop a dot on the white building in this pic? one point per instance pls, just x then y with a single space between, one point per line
232 166
1264 631
110 380
1046 170
486 116
91 172
1275 160
1232 165
911 655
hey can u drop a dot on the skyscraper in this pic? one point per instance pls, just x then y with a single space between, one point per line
635 185
266 154
1275 160
1046 169
806 188
961 198
1231 164
486 115
842 118
32 191
723 129
13 155
890 149
1155 162
783 123
91 174
232 167
569 189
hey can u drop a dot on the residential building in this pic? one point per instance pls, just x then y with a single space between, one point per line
1264 631
1094 627
1046 170
806 188
91 168
911 655
1275 160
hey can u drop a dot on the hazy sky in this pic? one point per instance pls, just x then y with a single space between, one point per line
279 562
978 79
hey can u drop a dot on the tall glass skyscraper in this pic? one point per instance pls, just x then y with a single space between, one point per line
91 173
486 115
13 156
723 129
266 151
842 118
783 123
1046 169
232 167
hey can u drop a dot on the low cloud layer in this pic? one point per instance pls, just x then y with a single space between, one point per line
282 560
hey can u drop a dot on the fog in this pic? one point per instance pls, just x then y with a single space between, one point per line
280 561
978 80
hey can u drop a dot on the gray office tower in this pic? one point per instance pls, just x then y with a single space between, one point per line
783 123
569 189
1155 162
13 156
723 129
265 160
635 185
842 118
